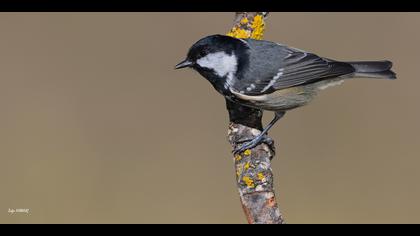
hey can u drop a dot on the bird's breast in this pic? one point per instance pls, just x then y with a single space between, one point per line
284 99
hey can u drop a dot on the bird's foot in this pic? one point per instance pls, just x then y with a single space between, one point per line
253 143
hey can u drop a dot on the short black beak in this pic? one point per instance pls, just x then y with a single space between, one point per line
183 64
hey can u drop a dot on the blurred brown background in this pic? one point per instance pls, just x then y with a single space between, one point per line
97 127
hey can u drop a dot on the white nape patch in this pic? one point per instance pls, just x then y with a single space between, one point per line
222 63
334 83
251 87
273 81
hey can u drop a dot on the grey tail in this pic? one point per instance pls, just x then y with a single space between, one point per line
373 69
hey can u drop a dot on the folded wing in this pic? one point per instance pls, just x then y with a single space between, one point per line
276 67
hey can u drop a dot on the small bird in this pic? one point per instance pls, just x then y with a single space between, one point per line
272 76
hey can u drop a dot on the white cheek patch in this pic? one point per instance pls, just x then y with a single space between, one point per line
220 62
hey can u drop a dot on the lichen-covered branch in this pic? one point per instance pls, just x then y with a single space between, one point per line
253 167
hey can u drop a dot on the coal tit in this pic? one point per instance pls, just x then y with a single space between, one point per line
271 76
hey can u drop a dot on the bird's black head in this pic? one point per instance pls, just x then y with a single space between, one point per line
217 58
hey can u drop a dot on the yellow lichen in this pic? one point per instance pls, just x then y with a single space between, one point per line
260 176
247 165
248 181
247 152
244 20
238 157
237 32
244 29
258 27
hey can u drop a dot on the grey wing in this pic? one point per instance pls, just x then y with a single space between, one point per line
276 66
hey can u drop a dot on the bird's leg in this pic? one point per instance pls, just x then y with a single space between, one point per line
262 136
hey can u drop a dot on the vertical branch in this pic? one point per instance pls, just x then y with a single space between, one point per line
253 166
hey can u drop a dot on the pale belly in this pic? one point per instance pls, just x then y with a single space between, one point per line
281 100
